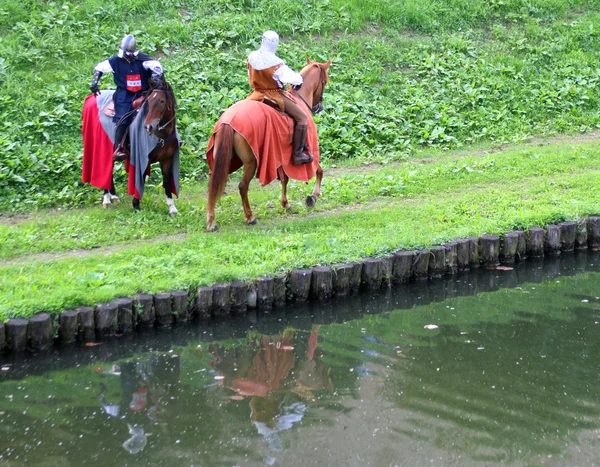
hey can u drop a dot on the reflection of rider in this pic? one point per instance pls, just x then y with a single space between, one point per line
273 408
132 71
144 385
268 73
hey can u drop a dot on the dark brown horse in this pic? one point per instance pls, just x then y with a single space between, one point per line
228 144
160 120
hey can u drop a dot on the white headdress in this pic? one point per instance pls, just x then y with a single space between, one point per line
265 56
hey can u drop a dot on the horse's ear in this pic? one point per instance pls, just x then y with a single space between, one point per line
327 64
308 62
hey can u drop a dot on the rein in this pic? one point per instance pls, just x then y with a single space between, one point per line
172 136
321 84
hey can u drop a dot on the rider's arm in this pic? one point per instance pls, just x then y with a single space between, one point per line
285 75
104 67
154 66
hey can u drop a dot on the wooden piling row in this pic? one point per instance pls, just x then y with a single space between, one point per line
319 283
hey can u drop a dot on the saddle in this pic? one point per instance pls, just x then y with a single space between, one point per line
109 109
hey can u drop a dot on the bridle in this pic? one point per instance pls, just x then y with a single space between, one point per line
172 136
318 107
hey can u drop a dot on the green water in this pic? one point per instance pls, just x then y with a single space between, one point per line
505 372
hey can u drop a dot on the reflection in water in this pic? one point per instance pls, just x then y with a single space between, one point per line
494 368
276 381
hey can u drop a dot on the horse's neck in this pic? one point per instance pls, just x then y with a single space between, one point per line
308 89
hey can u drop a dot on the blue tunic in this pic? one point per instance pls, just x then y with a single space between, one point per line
131 80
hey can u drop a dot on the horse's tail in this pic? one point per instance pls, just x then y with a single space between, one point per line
222 159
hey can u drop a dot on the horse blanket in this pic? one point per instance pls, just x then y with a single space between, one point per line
98 131
269 133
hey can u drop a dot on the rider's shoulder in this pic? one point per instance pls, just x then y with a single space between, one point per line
142 57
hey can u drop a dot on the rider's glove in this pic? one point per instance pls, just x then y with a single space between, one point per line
94 86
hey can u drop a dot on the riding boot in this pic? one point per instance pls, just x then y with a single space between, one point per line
300 154
121 134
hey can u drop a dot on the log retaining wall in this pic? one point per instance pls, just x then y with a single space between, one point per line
125 315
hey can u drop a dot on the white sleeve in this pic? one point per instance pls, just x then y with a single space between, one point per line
285 75
154 66
104 67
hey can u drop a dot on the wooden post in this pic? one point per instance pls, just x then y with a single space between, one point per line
180 305
87 324
221 299
553 240
451 257
356 277
535 242
204 302
125 315
16 334
251 297
321 283
299 284
239 297
342 274
144 309
437 261
162 309
387 266
39 332
67 327
510 245
521 245
581 238
474 259
568 233
2 336
489 246
463 253
105 316
402 266
594 231
371 273
264 292
421 264
279 289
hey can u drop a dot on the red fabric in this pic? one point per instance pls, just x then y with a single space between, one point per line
97 167
269 134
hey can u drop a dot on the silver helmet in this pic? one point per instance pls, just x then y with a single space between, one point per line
270 41
127 47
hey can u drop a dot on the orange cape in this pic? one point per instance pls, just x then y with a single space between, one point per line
269 133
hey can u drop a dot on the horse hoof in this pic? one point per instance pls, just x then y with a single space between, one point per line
311 200
212 228
287 206
252 222
115 199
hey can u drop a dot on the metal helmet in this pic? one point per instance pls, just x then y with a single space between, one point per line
270 41
127 47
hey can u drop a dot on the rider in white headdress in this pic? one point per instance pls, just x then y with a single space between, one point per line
268 74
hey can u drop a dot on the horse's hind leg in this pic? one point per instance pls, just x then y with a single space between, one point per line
312 199
284 181
244 152
166 168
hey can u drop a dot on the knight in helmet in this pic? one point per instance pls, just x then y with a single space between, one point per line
268 74
133 71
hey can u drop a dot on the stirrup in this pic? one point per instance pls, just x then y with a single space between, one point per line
119 156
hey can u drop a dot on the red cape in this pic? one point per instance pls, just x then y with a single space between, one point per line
269 134
97 167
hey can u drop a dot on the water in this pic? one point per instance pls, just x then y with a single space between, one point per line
494 368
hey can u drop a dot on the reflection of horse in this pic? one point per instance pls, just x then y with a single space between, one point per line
153 139
244 136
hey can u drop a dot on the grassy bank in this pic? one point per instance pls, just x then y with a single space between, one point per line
407 75
406 206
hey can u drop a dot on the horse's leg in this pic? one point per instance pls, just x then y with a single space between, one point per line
113 192
106 202
284 181
166 168
312 199
244 152
222 154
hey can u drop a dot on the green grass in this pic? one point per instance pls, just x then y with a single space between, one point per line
407 75
429 204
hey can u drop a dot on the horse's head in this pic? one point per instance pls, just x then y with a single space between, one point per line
315 78
160 104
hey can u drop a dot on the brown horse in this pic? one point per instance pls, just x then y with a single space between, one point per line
229 144
160 121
